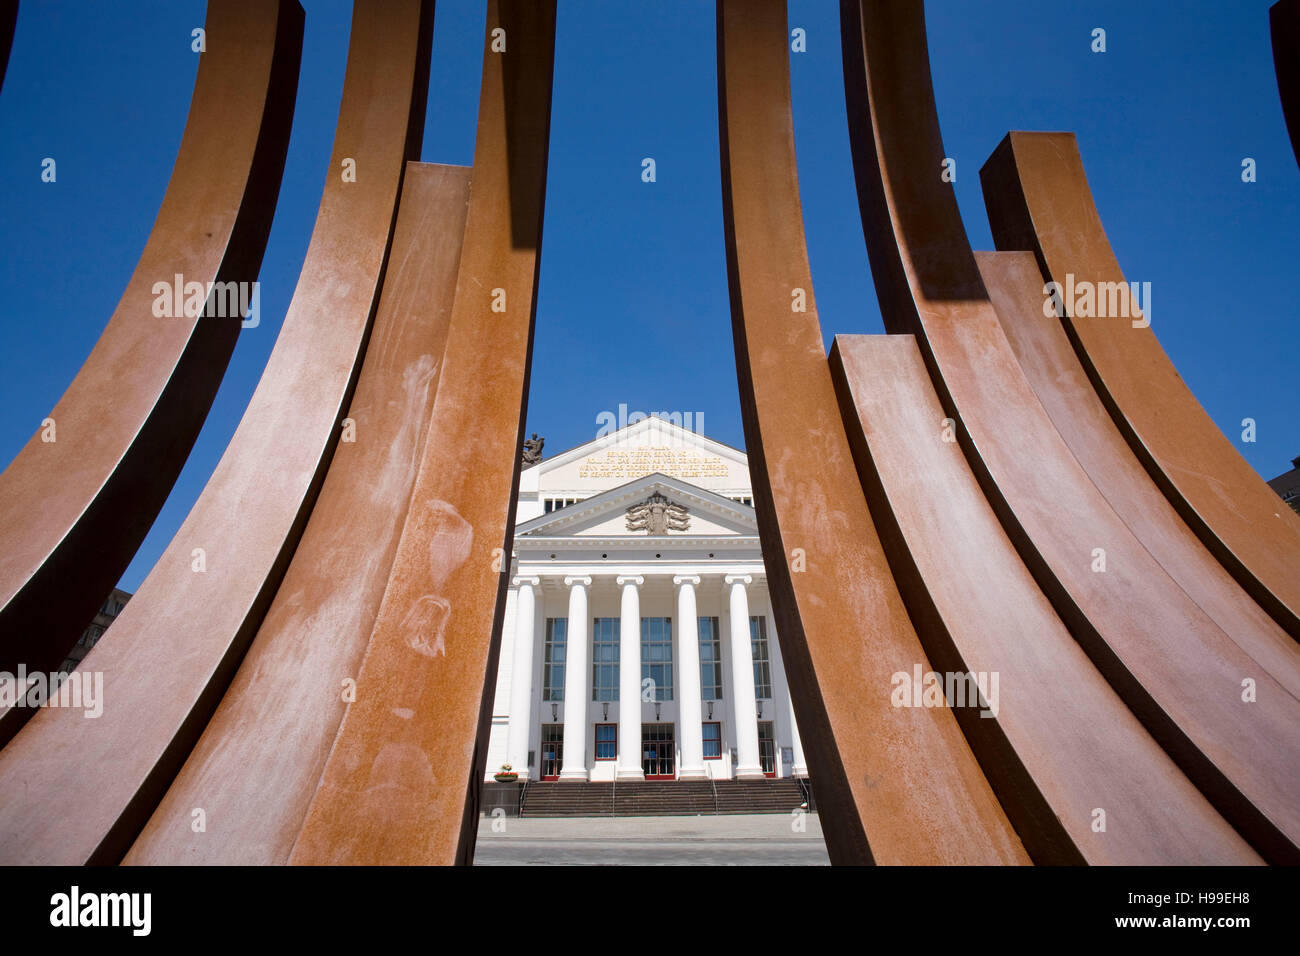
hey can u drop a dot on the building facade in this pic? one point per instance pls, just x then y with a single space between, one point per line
638 640
1287 485
107 613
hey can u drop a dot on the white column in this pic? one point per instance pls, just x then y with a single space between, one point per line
577 683
629 681
521 680
688 681
742 681
799 768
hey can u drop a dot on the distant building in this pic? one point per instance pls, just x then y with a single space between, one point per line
107 612
639 641
1288 485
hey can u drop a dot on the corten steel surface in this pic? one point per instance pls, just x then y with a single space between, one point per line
401 782
1175 667
174 648
1284 28
894 785
1015 288
1061 742
1038 199
73 511
256 766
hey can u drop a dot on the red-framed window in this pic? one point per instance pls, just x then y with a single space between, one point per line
606 741
712 732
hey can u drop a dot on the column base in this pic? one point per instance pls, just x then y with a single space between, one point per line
573 776
800 772
750 773
637 774
700 774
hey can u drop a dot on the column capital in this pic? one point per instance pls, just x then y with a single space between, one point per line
738 579
527 579
691 579
625 579
579 579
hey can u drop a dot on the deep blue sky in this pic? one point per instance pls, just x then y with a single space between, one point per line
633 297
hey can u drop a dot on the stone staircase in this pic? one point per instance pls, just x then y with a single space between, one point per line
660 798
758 796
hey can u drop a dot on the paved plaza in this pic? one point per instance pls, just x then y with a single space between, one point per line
769 839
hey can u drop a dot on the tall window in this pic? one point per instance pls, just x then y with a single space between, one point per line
762 663
606 741
604 659
712 735
657 655
557 632
710 659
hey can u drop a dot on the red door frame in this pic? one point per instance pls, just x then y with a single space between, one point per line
659 745
771 750
559 754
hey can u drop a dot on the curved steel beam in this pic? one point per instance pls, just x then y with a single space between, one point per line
1143 632
176 645
1015 288
1284 28
894 784
73 510
291 686
978 610
401 783
1033 183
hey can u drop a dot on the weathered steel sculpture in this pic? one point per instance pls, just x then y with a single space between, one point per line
1055 739
310 663
424 693
292 684
897 785
1015 287
1147 635
1036 180
179 641
93 478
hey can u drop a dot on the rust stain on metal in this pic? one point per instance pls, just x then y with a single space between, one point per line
979 612
291 685
176 645
1148 637
1038 200
74 510
894 785
401 783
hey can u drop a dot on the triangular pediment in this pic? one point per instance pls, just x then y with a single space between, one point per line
650 446
660 506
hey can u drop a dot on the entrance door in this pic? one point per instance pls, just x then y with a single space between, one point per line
766 748
658 752
552 750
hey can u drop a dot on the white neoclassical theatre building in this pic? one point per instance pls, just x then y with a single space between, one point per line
638 640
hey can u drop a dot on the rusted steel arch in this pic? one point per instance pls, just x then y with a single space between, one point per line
1015 288
291 687
74 510
176 645
1034 182
401 783
1146 635
894 784
1054 738
1284 28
